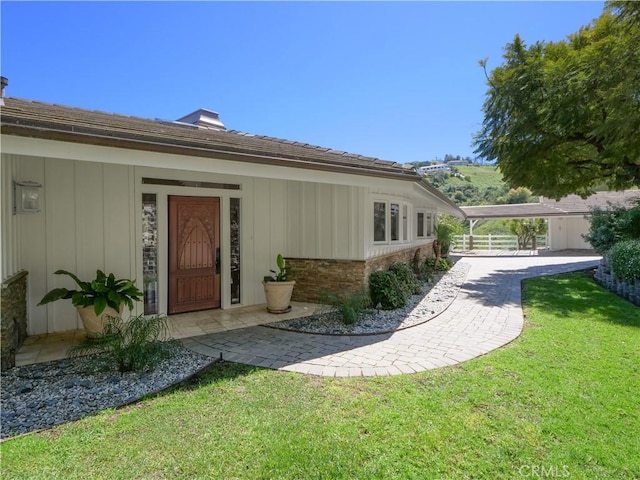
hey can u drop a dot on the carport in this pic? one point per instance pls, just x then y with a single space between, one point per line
568 218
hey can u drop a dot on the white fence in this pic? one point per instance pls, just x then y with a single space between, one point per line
492 242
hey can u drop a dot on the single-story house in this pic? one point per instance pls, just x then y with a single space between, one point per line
568 218
195 212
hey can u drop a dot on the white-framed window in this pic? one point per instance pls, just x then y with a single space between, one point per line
390 221
424 223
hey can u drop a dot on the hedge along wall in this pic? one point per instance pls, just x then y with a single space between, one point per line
316 276
13 318
623 288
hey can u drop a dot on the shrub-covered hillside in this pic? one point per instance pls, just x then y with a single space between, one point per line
478 185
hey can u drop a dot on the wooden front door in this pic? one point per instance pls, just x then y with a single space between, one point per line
194 253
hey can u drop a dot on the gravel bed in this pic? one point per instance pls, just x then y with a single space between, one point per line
39 396
42 395
433 299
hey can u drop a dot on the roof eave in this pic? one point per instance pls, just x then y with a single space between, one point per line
163 147
472 216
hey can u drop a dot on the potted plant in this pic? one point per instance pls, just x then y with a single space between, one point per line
95 300
278 287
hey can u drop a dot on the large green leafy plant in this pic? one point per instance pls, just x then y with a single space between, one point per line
104 290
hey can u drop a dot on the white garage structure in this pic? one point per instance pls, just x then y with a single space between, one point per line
568 217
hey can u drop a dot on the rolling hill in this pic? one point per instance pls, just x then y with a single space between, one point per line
471 184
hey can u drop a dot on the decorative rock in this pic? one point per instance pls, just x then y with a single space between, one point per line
24 389
65 390
433 300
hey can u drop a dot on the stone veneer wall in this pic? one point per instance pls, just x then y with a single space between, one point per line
13 318
420 254
316 276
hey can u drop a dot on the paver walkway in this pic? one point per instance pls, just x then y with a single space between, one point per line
486 315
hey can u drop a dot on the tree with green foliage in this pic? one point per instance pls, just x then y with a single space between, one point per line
527 229
563 117
518 195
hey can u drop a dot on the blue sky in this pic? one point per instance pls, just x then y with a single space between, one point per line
394 80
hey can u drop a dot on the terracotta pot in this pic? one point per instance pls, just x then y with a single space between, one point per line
94 325
278 296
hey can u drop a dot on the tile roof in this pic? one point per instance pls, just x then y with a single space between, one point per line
44 120
571 205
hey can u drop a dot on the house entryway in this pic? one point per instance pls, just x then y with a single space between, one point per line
54 346
194 254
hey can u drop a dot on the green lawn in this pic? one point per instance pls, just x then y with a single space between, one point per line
561 401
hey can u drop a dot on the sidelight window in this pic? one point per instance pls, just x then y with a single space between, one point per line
150 252
235 250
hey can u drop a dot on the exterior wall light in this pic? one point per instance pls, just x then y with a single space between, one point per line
26 197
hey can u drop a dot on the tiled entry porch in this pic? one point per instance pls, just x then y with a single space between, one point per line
44 348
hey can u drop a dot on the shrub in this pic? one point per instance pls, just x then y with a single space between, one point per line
406 277
624 259
351 306
386 290
137 344
443 264
424 272
611 225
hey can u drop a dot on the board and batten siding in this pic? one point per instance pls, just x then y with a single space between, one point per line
263 234
91 204
328 221
90 218
85 223
324 221
9 236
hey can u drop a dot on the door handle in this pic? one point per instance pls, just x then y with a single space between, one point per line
218 261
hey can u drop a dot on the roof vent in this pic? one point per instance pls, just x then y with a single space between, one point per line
203 118
3 82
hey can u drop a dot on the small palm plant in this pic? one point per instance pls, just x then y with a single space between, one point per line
350 306
133 345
